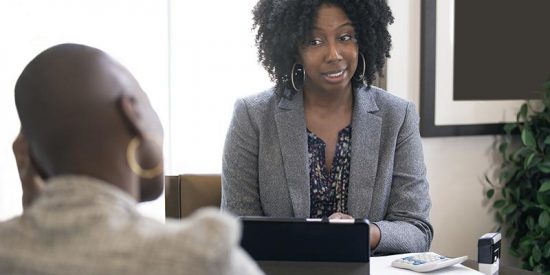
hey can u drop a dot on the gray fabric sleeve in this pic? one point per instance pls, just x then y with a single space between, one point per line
241 263
211 241
406 226
240 194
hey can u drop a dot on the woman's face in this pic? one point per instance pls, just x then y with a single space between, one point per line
329 56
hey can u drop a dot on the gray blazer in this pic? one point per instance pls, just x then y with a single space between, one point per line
265 165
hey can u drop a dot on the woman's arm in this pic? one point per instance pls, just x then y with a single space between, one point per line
406 226
240 193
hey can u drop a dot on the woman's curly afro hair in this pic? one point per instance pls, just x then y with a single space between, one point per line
283 25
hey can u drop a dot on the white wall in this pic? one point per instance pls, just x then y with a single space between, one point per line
213 62
456 165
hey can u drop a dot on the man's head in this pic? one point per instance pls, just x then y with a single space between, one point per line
79 110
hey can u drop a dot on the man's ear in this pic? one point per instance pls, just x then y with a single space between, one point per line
130 114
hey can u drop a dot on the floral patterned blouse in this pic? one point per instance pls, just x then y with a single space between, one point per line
329 191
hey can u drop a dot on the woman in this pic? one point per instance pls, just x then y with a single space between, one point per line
324 142
91 133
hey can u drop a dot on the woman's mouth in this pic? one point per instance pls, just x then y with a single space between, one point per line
335 76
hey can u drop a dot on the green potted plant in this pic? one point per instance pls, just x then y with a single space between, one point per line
521 194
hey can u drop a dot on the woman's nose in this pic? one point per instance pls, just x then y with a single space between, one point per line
334 53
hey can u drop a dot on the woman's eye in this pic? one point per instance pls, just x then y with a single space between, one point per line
346 37
314 42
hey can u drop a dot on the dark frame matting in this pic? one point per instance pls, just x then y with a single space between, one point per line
427 84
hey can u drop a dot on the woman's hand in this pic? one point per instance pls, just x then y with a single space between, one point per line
31 182
374 231
338 215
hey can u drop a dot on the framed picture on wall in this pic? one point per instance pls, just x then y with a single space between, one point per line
480 60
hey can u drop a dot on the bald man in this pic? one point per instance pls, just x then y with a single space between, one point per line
90 132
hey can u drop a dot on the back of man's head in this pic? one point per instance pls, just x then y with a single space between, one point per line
62 99
66 98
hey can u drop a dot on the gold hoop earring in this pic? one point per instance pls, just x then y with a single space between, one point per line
131 158
292 76
361 77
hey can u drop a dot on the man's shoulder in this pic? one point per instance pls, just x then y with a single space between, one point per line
206 232
9 228
207 242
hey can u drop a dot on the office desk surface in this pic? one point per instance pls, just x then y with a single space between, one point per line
382 266
378 266
503 270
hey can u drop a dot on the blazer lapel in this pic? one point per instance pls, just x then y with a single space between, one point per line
365 143
291 127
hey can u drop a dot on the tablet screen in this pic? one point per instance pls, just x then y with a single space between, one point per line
296 239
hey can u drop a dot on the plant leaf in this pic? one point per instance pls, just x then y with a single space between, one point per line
544 219
499 217
539 268
522 112
537 253
544 167
503 147
499 204
547 140
509 127
536 160
547 250
527 204
526 243
542 200
528 138
490 193
546 85
529 160
530 223
511 231
545 186
546 97
524 151
508 174
509 209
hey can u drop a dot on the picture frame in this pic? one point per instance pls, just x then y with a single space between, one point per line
440 114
